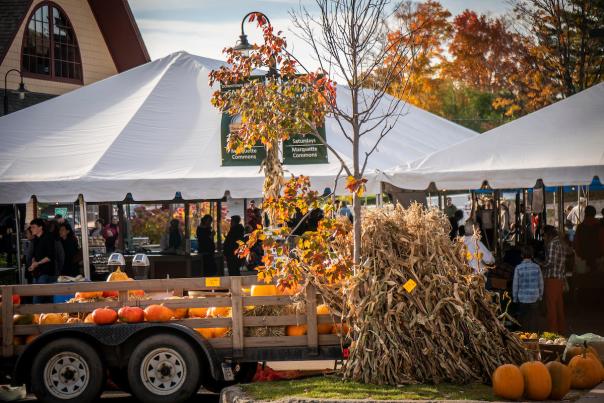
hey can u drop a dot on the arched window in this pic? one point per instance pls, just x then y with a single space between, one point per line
50 49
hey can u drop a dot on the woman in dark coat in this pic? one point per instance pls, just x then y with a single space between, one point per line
236 233
206 245
71 250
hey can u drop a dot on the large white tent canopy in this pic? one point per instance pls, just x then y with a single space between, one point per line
562 144
152 132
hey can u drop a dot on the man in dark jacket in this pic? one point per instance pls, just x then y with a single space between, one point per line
236 233
42 264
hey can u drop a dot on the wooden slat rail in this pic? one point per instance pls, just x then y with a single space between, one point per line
224 292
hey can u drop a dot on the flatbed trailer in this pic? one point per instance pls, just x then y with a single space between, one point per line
165 361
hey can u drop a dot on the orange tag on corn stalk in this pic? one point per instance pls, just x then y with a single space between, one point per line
409 285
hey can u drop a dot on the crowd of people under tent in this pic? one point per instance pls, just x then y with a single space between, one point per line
535 257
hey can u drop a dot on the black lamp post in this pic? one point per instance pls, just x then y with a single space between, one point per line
244 46
21 90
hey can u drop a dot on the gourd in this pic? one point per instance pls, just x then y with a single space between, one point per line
88 295
508 382
324 328
117 275
537 380
158 313
561 379
263 290
296 330
179 313
131 314
104 316
52 319
198 312
585 371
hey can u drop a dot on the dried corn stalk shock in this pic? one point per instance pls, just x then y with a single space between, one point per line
444 330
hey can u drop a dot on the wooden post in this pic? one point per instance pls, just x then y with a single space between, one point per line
122 228
237 316
84 231
7 324
218 227
312 334
496 224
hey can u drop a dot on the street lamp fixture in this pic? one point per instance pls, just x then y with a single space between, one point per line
21 90
244 47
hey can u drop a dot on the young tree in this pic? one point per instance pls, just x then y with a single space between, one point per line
348 39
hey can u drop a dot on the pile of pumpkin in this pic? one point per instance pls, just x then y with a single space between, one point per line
537 381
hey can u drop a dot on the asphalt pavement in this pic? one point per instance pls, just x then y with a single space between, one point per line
120 397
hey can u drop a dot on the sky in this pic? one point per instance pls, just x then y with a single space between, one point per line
205 27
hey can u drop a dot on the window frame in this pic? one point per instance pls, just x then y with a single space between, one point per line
51 76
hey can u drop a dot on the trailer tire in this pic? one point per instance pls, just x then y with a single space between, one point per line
164 368
67 370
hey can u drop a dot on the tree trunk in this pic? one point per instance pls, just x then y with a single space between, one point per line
356 206
273 176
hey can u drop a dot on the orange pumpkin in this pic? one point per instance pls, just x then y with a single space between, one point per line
73 321
158 313
293 290
537 380
324 328
206 332
585 372
578 350
179 313
598 362
220 331
561 378
52 319
263 290
219 312
136 293
30 338
118 275
508 382
131 314
296 330
88 319
88 295
341 329
110 294
198 312
104 316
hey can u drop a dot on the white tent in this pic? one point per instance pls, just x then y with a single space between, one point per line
152 132
562 144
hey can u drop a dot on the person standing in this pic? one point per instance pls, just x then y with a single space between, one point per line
345 211
236 233
454 233
504 220
478 255
577 214
527 290
97 231
554 277
589 239
450 208
111 232
42 263
206 245
253 215
487 223
71 250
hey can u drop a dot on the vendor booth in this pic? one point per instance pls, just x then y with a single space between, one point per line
150 135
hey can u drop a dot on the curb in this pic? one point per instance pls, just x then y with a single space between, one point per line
234 394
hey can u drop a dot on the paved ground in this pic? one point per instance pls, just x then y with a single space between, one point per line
119 397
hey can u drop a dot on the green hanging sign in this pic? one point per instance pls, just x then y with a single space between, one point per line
250 157
300 150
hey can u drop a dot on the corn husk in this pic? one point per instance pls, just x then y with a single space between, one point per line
446 329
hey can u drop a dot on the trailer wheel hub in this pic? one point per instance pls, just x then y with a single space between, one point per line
66 375
163 371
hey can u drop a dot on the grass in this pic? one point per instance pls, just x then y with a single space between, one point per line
332 387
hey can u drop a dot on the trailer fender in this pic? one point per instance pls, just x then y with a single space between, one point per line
114 335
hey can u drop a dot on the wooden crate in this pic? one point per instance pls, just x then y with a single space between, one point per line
226 292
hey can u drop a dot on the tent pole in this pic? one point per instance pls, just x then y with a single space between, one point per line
84 231
187 229
560 206
20 270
